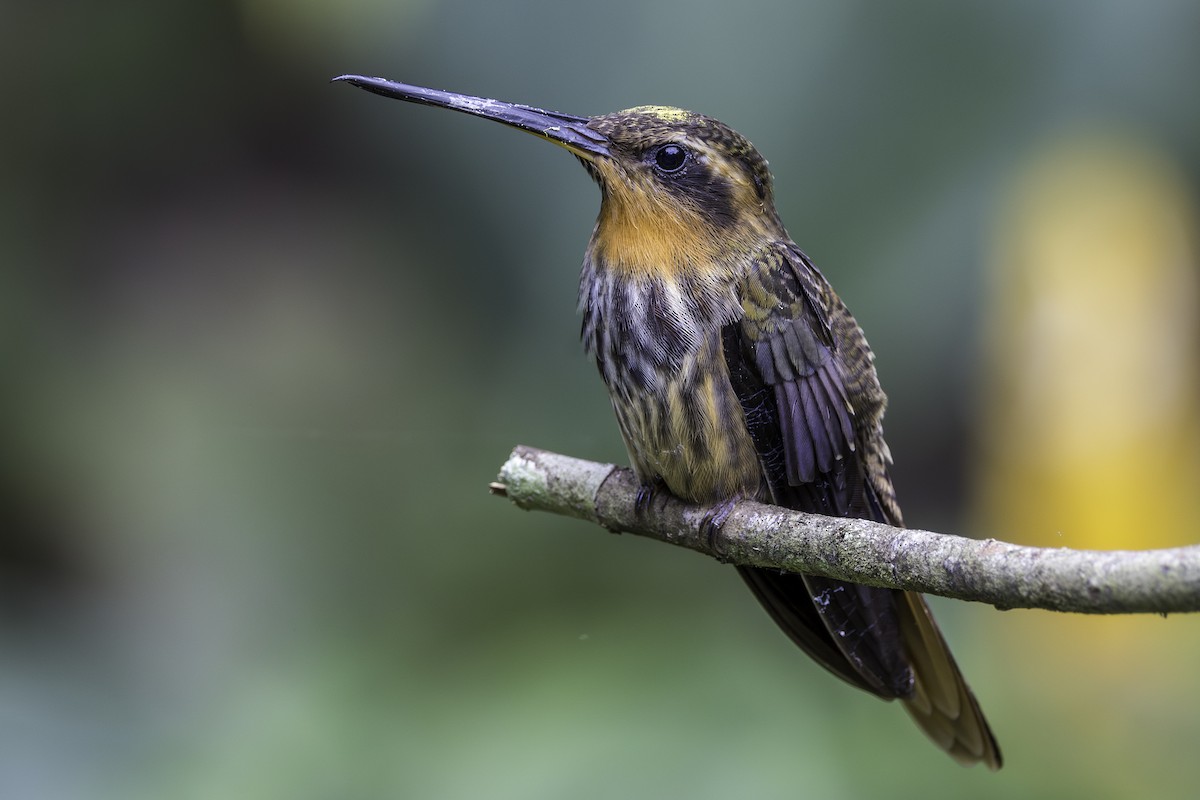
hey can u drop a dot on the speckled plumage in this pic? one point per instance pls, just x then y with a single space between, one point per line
736 371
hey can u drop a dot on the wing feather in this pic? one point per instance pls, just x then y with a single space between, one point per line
803 374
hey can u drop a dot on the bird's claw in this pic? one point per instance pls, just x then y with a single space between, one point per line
645 497
710 525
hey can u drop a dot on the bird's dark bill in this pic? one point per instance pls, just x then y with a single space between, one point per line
566 130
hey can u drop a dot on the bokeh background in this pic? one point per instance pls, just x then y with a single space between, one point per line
267 339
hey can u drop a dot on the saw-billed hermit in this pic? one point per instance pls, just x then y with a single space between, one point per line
735 372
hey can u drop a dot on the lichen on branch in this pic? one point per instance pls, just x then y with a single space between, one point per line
754 534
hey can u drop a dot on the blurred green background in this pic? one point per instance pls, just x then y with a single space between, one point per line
267 340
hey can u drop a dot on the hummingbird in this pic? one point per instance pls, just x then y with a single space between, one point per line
735 371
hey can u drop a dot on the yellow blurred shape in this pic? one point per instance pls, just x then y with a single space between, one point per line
1090 380
1090 433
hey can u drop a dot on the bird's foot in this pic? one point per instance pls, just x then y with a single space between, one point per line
710 525
645 496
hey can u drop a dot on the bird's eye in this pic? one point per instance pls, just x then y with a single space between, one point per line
670 158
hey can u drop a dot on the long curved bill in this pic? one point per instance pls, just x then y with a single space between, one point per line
566 130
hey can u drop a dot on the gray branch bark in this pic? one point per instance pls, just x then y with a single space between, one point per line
754 534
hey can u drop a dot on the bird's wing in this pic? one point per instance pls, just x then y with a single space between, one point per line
782 363
802 371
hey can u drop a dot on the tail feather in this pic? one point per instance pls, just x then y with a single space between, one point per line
934 694
942 704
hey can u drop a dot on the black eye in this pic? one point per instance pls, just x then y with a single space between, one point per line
670 158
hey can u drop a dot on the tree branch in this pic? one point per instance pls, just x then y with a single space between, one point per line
754 534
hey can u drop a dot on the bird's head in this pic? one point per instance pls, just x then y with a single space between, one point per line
680 190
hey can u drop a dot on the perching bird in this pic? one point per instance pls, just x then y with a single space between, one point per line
736 372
